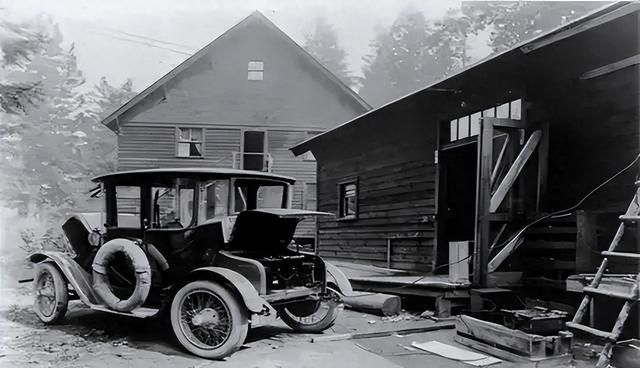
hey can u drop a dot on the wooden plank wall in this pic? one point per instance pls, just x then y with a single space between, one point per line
396 190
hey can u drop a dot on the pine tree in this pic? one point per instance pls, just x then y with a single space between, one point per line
323 45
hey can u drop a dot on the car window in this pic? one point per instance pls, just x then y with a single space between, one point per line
171 209
214 200
128 206
241 198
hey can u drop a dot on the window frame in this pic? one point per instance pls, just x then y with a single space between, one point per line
178 141
257 70
265 150
341 195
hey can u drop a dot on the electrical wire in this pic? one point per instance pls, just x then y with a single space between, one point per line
568 210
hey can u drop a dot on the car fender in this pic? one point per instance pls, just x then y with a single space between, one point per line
72 271
338 278
242 286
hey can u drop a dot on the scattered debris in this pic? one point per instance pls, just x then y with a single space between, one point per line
371 321
427 314
455 353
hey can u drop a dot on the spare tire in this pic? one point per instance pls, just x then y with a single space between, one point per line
101 284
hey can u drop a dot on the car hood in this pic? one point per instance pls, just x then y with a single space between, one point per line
268 227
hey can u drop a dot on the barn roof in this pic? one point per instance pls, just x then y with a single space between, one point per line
111 121
515 55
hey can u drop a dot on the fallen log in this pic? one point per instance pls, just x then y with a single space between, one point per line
374 303
368 335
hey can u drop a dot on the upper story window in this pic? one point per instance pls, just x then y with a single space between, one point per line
469 125
348 200
255 70
189 142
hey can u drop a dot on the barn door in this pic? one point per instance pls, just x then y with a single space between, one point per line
505 147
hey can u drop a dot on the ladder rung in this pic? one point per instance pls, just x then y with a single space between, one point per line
630 218
621 254
612 294
592 331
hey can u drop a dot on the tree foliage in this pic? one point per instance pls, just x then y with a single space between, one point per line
323 45
51 145
415 52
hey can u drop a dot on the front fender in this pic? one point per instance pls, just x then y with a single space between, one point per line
74 273
337 277
244 287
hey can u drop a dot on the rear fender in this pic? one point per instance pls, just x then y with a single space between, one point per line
243 287
72 271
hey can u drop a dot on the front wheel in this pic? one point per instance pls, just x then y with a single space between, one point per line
314 316
51 293
208 320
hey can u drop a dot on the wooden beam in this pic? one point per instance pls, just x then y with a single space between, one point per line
610 68
504 253
496 168
506 123
483 201
515 170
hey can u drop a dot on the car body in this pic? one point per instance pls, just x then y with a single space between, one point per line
208 248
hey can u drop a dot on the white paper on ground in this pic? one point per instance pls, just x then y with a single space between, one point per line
455 353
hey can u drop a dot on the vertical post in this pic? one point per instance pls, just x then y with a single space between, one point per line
586 241
483 201
543 167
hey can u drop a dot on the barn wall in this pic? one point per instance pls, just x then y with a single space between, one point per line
396 174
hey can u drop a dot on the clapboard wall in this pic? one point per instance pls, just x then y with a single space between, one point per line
396 177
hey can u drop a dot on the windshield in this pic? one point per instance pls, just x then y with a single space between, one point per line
172 206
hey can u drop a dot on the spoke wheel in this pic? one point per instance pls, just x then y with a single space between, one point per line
208 320
51 293
313 318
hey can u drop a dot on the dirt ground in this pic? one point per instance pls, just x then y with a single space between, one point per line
89 339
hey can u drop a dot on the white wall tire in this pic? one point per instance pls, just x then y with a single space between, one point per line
322 318
208 320
51 293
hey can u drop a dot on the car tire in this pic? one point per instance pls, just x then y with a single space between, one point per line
299 323
197 308
51 293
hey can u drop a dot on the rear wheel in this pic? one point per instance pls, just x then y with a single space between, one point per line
312 317
51 293
208 320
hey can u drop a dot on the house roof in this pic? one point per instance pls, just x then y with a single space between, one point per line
193 171
600 16
111 121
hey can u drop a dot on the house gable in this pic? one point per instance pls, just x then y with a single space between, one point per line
213 86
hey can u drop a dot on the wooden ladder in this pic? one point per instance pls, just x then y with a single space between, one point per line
632 216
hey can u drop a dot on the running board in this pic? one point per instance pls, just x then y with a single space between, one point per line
140 312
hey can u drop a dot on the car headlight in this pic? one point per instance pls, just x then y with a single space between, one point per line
94 238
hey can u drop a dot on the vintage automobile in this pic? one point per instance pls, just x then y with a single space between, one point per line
209 249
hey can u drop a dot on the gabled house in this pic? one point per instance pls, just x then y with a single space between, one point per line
239 102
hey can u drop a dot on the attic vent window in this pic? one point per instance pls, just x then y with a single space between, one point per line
255 70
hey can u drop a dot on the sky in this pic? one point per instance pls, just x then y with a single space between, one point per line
145 39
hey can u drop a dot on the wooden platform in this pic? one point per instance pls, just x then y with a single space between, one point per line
398 282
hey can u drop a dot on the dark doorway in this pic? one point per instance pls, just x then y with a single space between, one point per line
457 197
253 149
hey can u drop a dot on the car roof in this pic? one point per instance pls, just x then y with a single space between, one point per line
203 173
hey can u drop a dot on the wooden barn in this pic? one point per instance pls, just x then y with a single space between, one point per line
239 102
479 155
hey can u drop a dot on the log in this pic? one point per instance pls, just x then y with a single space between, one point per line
380 304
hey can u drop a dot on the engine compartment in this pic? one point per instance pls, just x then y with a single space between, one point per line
288 271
